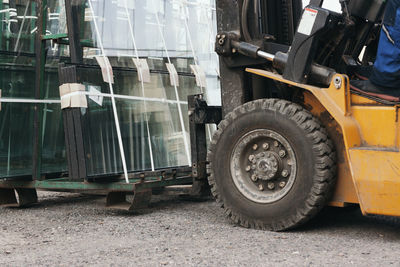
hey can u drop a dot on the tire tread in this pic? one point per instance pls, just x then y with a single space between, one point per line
325 167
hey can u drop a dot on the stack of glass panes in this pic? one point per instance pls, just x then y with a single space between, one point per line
152 115
17 84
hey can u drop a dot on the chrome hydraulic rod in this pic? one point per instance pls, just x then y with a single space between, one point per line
265 55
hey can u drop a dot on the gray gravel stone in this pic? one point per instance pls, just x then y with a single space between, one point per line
73 229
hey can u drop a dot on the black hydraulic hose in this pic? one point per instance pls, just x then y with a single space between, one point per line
244 22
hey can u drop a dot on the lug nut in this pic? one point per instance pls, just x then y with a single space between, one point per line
251 157
282 153
276 143
260 187
254 178
282 184
285 173
271 186
266 146
255 147
248 168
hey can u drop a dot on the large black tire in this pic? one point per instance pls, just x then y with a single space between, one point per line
310 146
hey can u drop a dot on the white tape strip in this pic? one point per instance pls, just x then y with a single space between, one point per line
106 68
70 100
29 101
8 10
124 97
0 99
142 69
173 74
200 75
97 99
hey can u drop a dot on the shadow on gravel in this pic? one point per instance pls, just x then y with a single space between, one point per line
351 221
161 203
158 203
65 199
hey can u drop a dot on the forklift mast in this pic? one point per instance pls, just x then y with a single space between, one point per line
257 22
332 44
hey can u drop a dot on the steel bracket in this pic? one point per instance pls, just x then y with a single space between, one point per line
26 197
118 200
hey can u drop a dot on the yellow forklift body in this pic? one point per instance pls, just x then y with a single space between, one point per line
369 157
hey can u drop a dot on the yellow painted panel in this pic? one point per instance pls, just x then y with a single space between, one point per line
345 191
377 124
377 178
359 100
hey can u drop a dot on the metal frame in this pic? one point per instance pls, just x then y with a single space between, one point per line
200 114
40 66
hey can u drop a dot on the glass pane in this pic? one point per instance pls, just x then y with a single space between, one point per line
16 139
54 158
17 81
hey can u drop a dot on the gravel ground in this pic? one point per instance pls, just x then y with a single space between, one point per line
73 229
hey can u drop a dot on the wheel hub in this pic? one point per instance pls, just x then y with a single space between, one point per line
263 166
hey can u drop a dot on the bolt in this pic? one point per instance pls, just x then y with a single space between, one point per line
218 36
260 187
271 175
282 184
248 168
253 167
276 143
254 178
251 157
255 147
285 173
282 153
338 82
266 146
234 50
271 186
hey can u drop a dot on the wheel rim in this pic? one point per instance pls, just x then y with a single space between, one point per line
263 166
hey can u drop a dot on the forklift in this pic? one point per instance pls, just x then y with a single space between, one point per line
294 136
